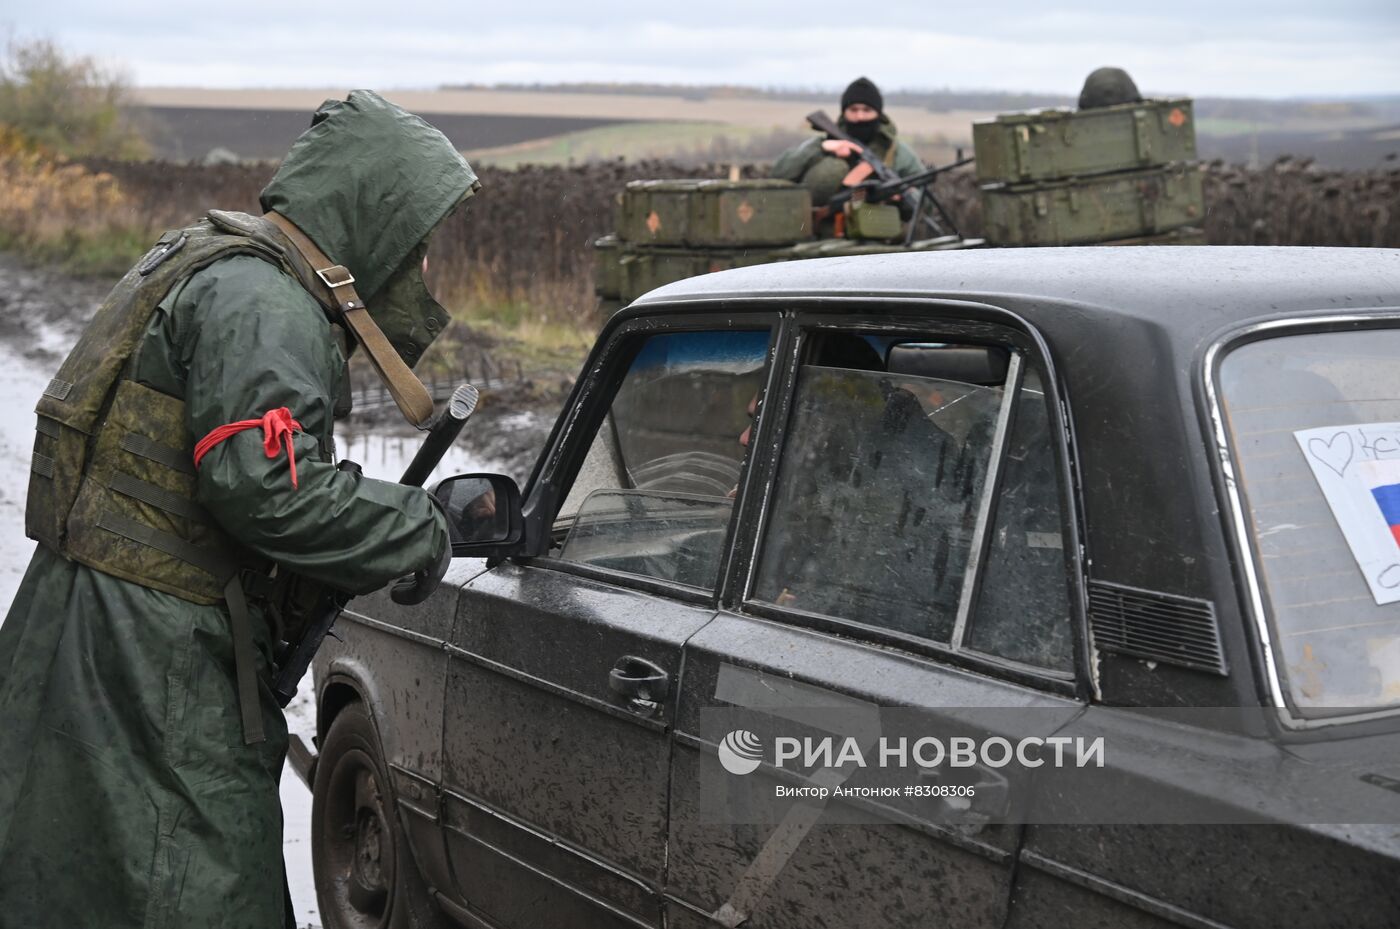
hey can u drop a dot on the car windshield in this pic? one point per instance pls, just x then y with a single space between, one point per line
1314 421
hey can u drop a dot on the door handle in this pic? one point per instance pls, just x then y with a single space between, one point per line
644 683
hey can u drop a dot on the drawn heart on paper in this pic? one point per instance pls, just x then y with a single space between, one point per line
1336 452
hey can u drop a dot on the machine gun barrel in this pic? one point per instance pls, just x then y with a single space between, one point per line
889 189
884 190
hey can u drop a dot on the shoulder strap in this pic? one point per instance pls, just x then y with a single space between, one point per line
408 392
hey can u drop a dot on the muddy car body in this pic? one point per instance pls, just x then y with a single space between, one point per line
1133 522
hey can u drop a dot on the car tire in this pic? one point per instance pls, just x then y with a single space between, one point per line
366 877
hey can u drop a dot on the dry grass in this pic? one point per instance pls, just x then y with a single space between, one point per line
53 209
516 266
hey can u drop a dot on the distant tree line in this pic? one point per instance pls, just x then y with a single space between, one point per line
944 99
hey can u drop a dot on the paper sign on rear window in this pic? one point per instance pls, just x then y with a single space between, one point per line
1358 469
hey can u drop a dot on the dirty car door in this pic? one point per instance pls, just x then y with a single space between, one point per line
564 668
911 555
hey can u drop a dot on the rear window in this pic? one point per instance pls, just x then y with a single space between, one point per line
1314 421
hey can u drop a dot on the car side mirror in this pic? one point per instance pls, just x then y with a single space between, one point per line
483 514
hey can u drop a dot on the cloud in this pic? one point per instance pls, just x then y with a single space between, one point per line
1276 49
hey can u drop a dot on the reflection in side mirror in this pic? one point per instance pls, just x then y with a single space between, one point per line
483 511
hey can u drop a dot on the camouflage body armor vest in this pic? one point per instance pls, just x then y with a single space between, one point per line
112 482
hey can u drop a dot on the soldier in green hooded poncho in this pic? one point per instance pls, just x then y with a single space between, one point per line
128 795
819 164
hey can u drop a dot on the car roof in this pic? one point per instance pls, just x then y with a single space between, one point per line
1189 292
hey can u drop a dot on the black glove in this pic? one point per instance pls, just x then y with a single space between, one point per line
419 586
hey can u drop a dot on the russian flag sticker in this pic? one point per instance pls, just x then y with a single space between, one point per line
1382 479
1388 499
1363 493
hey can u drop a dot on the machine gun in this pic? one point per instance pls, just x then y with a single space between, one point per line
925 207
296 656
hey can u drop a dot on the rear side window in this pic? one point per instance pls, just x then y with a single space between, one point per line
877 498
917 492
1314 421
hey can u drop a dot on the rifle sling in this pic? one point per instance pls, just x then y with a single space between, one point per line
408 392
244 658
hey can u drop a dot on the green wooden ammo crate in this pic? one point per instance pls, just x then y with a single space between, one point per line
644 269
873 222
1093 209
712 213
607 273
1186 235
1050 144
840 248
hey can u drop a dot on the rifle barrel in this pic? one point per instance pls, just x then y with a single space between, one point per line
441 435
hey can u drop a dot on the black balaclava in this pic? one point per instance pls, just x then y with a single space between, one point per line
863 132
862 90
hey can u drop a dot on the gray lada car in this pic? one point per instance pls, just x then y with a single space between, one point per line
1152 493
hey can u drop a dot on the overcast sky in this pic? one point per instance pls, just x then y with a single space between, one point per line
1225 48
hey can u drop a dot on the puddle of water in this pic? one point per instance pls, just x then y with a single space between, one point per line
385 455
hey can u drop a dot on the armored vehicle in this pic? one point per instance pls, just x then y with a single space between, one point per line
1133 491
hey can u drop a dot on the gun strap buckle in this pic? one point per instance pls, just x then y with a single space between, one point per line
408 392
256 584
336 276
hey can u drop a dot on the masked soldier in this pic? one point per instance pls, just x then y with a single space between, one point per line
182 485
820 164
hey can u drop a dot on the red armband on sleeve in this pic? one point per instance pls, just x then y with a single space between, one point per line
277 426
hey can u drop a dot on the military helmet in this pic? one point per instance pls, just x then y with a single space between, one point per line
1108 87
823 179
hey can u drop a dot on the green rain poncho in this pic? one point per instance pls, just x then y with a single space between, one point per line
127 795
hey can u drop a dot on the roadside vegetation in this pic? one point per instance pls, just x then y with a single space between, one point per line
516 266
68 105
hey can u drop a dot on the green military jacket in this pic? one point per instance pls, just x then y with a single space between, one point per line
127 795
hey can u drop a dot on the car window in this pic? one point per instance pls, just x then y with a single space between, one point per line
655 493
875 501
1023 608
1314 425
881 499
